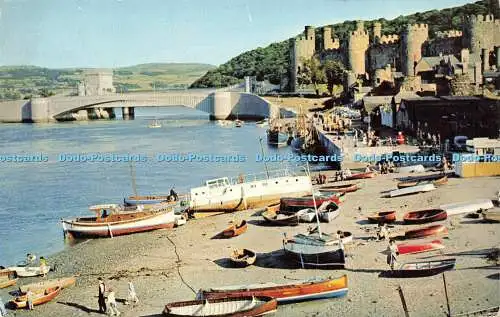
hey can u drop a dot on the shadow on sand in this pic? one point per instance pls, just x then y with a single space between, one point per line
81 307
227 263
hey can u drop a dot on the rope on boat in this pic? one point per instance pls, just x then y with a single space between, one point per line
178 266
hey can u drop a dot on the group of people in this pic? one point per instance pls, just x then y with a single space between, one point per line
386 167
30 261
109 305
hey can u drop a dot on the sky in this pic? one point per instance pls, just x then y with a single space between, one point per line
113 33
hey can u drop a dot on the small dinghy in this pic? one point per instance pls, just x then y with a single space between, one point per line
298 291
383 217
419 248
467 206
275 219
30 271
293 204
328 211
326 239
244 306
7 281
421 269
39 297
63 282
274 208
348 188
412 190
307 215
310 255
435 230
438 182
235 229
361 175
243 257
424 216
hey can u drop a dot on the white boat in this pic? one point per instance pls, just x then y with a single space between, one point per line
467 206
306 215
328 211
325 239
155 124
111 220
411 169
248 191
238 123
412 190
29 271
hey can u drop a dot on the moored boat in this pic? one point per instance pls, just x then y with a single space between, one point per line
348 188
293 204
491 215
421 269
30 271
437 182
420 247
243 257
112 220
63 282
361 175
315 256
325 239
275 219
39 297
235 229
383 217
424 216
328 211
238 123
467 206
245 306
6 281
412 190
434 230
284 292
276 138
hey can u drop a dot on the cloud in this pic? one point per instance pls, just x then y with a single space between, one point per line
249 13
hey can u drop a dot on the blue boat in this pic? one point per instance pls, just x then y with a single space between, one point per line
277 138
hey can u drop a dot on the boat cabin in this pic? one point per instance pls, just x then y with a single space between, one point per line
219 182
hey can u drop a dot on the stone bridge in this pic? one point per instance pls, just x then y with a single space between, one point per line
219 104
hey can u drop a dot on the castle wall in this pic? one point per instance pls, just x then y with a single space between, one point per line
444 45
329 42
382 55
481 32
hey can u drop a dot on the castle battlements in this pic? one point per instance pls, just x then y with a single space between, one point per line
489 18
448 34
389 39
418 27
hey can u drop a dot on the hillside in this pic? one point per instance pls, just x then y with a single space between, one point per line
24 81
271 61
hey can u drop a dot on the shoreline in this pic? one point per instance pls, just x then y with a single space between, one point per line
152 261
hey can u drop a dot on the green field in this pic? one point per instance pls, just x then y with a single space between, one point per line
18 82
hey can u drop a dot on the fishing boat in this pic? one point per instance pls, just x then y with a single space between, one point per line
7 281
383 217
434 245
235 229
328 211
247 191
421 269
276 138
293 204
297 143
467 206
243 257
148 200
361 175
424 216
63 282
276 219
40 297
113 220
491 215
244 306
315 256
284 293
30 271
438 182
435 230
348 188
154 124
412 190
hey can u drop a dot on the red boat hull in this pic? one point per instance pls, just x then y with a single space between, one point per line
361 176
424 216
435 230
419 248
383 217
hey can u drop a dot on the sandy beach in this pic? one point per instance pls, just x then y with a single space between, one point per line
171 265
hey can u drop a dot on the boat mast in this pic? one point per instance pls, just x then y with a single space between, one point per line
132 174
314 200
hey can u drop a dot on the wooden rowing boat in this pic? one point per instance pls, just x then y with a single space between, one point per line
325 239
275 219
438 182
361 175
467 206
492 215
383 217
307 215
348 188
424 216
420 247
328 211
30 271
285 292
39 297
435 230
412 190
243 257
421 269
8 272
310 255
63 282
274 208
6 281
235 229
293 204
245 306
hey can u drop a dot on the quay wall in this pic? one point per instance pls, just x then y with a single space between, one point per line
15 111
477 169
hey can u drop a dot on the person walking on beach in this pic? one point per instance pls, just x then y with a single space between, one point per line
101 300
29 299
132 295
112 303
393 253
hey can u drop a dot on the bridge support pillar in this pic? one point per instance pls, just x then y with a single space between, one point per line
128 113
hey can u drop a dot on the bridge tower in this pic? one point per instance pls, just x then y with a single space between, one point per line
358 44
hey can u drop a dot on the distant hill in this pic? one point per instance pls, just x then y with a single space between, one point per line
272 62
23 81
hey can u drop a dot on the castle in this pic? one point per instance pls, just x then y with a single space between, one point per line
378 57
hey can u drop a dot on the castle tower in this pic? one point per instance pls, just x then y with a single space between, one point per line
481 32
358 44
377 32
301 47
328 42
413 37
